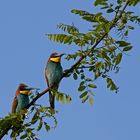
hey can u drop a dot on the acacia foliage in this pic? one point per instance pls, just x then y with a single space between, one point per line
102 46
99 52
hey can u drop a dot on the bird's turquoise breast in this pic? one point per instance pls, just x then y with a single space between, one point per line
54 73
23 101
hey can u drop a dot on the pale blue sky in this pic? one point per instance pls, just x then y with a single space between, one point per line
24 50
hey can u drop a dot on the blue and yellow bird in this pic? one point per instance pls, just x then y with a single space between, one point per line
21 99
53 74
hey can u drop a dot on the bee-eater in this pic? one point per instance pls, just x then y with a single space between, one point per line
53 74
21 99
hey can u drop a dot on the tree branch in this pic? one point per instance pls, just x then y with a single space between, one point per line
38 96
116 19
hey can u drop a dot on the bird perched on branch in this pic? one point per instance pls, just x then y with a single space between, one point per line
53 74
21 99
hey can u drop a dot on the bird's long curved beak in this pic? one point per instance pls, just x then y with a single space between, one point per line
62 54
31 88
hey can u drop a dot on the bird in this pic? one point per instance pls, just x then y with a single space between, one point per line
21 99
53 73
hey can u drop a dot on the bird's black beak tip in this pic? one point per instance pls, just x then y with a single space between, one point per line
62 54
31 88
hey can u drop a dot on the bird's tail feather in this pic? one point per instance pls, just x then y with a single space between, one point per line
52 100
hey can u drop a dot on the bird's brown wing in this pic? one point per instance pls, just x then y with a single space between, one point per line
14 104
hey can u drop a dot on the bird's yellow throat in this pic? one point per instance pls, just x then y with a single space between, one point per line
55 59
25 92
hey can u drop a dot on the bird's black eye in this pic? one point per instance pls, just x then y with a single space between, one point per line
22 89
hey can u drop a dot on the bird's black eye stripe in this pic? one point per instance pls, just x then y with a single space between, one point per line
23 89
56 56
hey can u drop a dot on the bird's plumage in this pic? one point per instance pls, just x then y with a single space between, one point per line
53 75
20 101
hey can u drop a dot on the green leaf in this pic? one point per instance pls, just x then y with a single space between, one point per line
119 1
67 40
97 2
84 99
111 49
107 27
82 76
98 65
43 109
79 12
75 76
131 27
83 94
88 79
35 118
127 48
92 41
82 83
47 127
111 85
109 81
104 54
110 10
68 98
118 58
61 38
97 74
99 28
91 92
23 136
40 125
122 43
91 101
57 96
105 7
68 28
92 85
62 98
81 88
